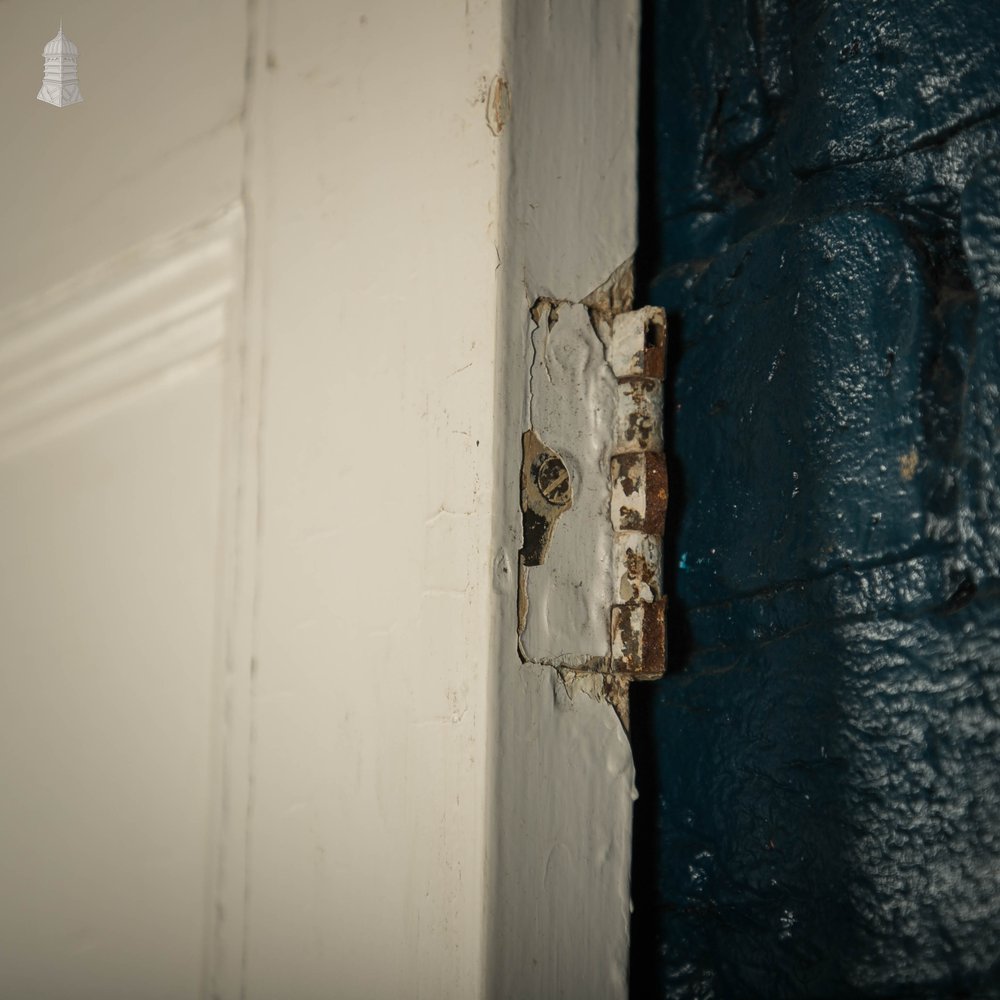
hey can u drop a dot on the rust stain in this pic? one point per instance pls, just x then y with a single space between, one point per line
638 576
640 418
639 639
908 464
657 494
641 479
655 348
640 493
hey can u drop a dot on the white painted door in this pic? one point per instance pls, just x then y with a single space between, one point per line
120 291
264 294
245 477
112 427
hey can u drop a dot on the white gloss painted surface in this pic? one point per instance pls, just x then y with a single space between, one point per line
288 798
155 146
107 545
373 276
561 801
87 345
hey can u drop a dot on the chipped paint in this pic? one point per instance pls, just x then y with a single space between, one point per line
609 688
595 398
639 415
546 492
639 639
639 492
638 562
498 105
638 344
615 294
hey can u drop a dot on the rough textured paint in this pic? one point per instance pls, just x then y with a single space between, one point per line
572 395
820 796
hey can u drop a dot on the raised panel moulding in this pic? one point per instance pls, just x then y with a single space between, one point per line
119 329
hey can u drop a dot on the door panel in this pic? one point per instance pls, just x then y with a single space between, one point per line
111 492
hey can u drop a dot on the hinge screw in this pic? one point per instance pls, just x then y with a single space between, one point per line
552 479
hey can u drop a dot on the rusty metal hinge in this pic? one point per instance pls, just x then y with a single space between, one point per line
594 492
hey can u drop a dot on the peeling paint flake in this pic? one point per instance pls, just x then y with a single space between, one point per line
498 105
638 344
638 560
639 492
